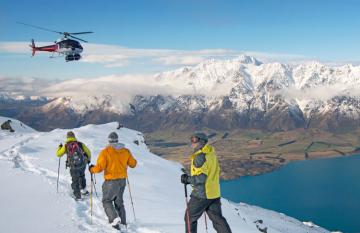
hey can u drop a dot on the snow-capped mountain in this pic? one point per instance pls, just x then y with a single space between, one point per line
220 94
30 202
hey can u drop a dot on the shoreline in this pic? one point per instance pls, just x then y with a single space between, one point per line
255 152
315 156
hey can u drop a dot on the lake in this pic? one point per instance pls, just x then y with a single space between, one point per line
324 191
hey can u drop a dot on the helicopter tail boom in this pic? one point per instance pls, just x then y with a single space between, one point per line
48 48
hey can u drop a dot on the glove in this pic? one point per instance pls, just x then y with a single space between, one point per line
91 166
185 179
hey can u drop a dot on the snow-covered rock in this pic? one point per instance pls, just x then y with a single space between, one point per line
16 125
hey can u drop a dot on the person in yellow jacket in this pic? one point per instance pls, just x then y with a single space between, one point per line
114 160
78 155
205 180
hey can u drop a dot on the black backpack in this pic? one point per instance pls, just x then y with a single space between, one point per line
76 158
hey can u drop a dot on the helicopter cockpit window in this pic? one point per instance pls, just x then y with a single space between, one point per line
69 44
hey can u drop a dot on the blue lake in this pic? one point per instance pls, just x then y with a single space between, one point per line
324 191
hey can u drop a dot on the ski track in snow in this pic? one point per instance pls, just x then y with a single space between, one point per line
81 211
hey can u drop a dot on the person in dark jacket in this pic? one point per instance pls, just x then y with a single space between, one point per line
205 180
78 155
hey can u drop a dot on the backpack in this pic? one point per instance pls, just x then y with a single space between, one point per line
75 155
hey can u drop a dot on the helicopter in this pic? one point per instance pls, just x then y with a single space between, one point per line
70 48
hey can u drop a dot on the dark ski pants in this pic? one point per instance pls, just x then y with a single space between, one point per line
197 206
113 191
78 180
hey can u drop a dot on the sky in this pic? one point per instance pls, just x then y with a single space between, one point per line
150 36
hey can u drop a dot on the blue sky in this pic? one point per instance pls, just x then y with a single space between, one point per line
152 36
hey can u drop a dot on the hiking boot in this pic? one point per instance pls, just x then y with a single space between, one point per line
116 223
77 196
84 192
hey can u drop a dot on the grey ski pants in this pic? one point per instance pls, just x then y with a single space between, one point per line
78 180
113 191
197 206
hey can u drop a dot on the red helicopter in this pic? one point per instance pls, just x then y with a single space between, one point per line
71 49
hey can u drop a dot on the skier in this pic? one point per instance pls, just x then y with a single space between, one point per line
78 155
114 160
204 178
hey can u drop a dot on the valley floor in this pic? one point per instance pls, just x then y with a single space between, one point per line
253 152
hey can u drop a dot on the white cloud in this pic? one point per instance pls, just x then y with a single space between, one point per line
121 86
111 54
320 93
19 47
14 47
180 60
23 85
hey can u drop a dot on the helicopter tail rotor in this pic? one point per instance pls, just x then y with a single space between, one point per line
32 46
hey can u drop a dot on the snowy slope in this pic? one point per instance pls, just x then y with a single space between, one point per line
30 202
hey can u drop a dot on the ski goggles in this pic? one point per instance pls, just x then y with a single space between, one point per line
194 139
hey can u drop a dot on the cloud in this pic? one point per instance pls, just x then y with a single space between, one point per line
112 56
121 86
23 85
19 47
323 93
180 60
112 60
14 47
115 56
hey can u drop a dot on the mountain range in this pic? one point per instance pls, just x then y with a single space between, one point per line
240 93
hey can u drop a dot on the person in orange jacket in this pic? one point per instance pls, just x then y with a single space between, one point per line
114 160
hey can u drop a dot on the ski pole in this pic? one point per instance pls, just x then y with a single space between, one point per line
57 183
91 198
132 203
93 184
206 225
187 209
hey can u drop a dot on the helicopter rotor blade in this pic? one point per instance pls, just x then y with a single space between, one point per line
41 28
77 38
78 33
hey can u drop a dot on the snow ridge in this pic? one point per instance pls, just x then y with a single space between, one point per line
157 192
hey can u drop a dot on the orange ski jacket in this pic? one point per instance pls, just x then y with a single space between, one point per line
114 160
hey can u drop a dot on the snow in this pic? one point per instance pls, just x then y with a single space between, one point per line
242 79
30 202
17 125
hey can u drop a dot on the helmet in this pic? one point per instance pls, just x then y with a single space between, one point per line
200 137
70 134
113 137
